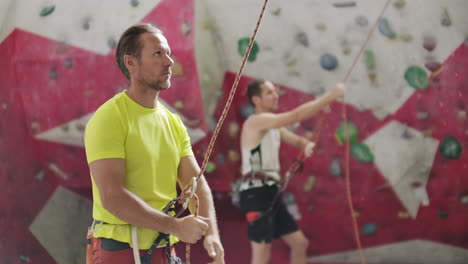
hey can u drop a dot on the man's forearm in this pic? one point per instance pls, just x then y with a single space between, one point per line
309 109
133 210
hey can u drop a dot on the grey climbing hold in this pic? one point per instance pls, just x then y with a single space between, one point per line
328 62
361 21
301 37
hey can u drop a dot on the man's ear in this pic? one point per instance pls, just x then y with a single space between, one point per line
129 62
255 99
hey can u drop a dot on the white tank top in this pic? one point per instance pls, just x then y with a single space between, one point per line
264 157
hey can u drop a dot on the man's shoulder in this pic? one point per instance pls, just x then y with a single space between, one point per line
108 111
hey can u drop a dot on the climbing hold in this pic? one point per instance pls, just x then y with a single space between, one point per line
291 205
40 175
446 21
407 134
403 215
68 63
47 10
309 184
186 28
177 68
369 58
429 43
341 133
321 27
65 127
179 104
134 3
53 74
464 199
335 168
301 37
4 106
328 62
86 25
362 152
422 115
233 129
35 126
276 11
345 4
399 4
385 29
450 148
417 78
443 214
406 37
111 43
369 229
432 66
233 155
242 46
361 21
210 167
247 110
25 258
221 158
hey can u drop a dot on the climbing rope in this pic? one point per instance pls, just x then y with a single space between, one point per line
188 192
347 145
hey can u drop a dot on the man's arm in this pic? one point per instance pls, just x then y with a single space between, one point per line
109 176
188 168
266 121
299 142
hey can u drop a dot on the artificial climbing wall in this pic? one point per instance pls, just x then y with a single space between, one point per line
406 117
58 66
406 108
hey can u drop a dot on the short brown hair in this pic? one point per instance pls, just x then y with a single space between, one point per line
130 44
254 89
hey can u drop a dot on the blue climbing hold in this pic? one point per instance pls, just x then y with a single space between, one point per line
247 110
328 62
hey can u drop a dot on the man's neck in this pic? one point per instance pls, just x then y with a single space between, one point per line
145 97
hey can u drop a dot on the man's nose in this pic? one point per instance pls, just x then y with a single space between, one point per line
169 61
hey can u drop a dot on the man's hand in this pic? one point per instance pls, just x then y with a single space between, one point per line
191 228
309 149
214 249
339 90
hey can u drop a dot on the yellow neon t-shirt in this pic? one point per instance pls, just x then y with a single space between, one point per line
152 142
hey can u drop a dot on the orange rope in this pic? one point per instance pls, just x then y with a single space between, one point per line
347 145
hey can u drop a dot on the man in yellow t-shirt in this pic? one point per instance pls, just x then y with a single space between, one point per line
137 151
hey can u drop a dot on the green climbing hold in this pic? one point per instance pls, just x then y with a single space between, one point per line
370 59
417 78
47 10
242 46
309 184
443 214
385 29
362 152
25 258
446 21
369 229
450 148
210 167
352 133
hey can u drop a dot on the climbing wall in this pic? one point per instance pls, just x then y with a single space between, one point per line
57 66
406 117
